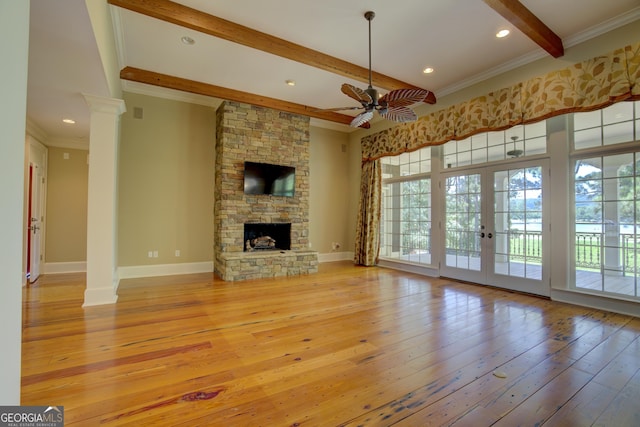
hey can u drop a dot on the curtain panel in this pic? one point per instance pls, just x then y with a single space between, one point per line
367 229
586 86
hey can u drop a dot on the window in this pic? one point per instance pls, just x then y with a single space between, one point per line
519 141
406 207
616 124
607 201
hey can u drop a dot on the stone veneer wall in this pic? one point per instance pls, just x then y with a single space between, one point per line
250 133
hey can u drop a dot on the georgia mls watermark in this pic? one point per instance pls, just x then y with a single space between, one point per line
31 416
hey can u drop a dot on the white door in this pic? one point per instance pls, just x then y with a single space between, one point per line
35 215
464 229
495 231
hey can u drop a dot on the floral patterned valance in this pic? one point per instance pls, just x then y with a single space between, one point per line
585 86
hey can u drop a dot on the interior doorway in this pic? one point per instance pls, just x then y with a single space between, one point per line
35 210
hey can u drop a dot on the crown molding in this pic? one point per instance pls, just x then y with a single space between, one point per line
36 131
172 94
576 39
603 27
70 143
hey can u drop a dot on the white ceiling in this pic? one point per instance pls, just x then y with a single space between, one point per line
456 37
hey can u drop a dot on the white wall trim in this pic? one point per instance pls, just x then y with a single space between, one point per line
136 271
70 143
410 268
100 296
600 302
64 267
335 256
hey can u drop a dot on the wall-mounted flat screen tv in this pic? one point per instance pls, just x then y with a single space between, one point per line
264 178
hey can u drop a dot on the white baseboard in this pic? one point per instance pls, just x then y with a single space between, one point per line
64 267
628 307
135 271
335 256
100 296
424 270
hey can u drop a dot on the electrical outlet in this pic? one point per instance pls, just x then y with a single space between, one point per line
150 254
177 252
155 254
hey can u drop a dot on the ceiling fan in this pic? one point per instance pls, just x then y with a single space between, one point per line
393 106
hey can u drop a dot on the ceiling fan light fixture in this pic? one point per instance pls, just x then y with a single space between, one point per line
515 152
392 106
290 82
428 70
502 33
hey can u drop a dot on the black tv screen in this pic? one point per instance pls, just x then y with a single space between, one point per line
264 178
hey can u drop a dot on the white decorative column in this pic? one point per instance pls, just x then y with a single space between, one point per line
104 136
613 264
14 48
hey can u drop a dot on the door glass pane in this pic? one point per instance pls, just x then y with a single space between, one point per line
462 226
518 222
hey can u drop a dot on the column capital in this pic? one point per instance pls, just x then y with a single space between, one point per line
105 105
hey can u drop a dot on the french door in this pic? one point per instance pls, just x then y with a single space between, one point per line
495 227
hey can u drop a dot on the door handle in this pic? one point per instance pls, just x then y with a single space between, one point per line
490 235
482 235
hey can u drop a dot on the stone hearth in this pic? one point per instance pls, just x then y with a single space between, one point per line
256 134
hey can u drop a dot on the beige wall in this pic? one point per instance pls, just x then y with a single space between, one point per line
165 182
355 166
66 220
329 209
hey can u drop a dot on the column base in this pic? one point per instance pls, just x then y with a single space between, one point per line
100 296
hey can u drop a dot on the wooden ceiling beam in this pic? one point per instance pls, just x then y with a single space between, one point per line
192 86
522 18
187 17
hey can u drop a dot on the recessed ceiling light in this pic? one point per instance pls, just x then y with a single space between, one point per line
502 33
187 40
69 121
428 70
290 82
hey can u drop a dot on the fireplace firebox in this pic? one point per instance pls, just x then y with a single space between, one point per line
267 236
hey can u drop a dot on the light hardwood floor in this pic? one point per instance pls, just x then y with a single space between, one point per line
350 346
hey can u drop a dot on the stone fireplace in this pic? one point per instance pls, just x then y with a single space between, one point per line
257 134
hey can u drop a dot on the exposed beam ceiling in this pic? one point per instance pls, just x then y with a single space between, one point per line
522 18
178 14
177 83
406 40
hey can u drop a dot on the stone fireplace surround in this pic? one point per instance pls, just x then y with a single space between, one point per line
250 133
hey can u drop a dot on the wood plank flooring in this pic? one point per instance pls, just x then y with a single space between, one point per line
349 346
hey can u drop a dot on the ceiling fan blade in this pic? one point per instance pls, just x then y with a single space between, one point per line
400 114
340 108
356 93
361 119
404 97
